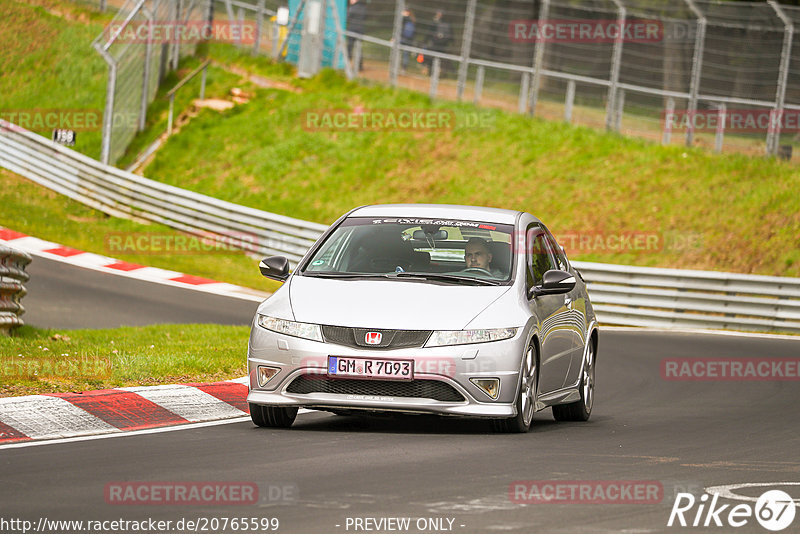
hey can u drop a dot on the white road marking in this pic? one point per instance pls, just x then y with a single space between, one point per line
726 491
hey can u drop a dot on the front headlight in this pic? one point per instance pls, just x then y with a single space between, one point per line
291 328
441 338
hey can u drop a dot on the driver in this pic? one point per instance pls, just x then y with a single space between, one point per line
478 256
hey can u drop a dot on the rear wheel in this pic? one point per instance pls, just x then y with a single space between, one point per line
272 416
580 410
526 396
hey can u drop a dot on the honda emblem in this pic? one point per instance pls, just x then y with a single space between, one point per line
373 338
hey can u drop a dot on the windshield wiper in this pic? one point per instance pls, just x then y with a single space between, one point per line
446 278
344 275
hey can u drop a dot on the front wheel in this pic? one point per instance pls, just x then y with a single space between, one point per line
580 410
272 416
526 396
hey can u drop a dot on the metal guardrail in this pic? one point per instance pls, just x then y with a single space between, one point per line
124 194
678 298
12 288
621 295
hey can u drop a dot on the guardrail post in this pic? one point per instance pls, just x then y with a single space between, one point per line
697 69
669 116
435 71
466 49
720 133
538 61
397 31
612 121
259 25
774 130
476 98
569 100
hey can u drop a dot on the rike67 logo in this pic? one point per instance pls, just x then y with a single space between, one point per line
774 510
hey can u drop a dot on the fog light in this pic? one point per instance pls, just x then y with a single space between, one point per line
490 386
265 374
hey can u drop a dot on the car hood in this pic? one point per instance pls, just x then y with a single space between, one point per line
395 304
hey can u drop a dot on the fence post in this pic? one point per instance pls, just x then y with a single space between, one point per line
476 98
669 115
774 130
108 112
616 60
524 91
435 71
538 61
176 46
394 60
148 50
466 49
203 84
697 69
569 101
259 25
350 68
619 109
720 133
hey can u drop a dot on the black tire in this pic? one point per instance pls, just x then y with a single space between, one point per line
526 396
580 410
272 416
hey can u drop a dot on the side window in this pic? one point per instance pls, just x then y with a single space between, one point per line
538 254
558 254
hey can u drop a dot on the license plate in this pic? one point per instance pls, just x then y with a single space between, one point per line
339 366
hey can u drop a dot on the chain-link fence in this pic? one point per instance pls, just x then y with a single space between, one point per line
725 75
694 71
143 42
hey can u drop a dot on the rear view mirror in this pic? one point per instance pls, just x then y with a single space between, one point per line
440 235
275 267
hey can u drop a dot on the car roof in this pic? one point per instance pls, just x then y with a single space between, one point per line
438 211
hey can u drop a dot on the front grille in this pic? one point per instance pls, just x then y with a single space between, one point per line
390 339
423 389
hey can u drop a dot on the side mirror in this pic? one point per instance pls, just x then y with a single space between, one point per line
275 267
554 282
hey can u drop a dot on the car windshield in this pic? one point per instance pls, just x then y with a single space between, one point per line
407 248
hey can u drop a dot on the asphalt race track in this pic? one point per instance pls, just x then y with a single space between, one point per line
65 296
325 469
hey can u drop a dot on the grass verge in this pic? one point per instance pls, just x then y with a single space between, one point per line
36 361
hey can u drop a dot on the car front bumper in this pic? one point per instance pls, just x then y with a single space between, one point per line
453 366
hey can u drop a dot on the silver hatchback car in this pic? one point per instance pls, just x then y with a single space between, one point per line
450 310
